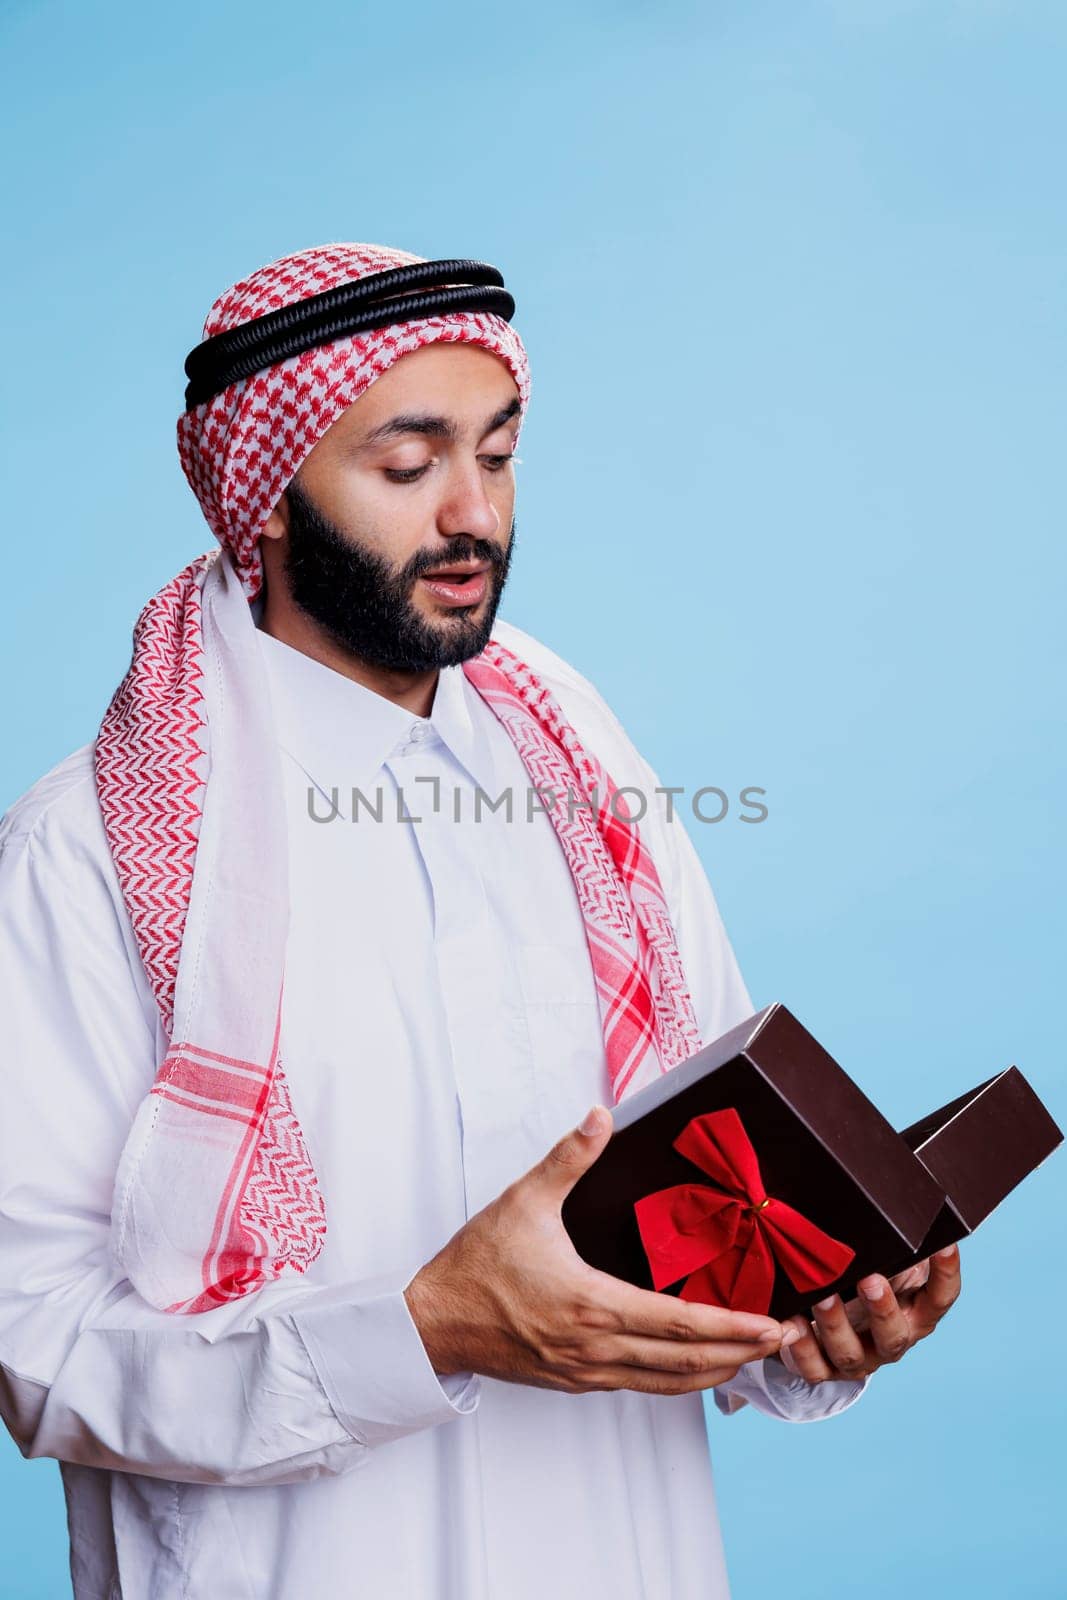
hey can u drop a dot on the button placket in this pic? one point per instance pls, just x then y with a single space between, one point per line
477 990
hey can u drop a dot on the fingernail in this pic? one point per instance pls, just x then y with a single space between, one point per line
826 1305
872 1291
946 1254
591 1121
770 1336
791 1335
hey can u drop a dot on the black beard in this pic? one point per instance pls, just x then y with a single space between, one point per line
364 603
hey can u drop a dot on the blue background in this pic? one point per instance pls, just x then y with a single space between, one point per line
792 281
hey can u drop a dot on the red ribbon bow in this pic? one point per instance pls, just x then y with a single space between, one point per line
728 1242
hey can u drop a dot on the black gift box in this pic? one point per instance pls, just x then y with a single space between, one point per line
823 1148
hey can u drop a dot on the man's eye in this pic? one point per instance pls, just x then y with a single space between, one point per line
404 474
497 463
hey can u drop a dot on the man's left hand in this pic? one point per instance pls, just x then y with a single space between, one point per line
851 1341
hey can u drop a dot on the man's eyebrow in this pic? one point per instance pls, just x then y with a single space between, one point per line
412 422
434 427
505 414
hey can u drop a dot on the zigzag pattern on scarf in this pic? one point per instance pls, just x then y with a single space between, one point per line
151 801
281 1216
150 790
283 1203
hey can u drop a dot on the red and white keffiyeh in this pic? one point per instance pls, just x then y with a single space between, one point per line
215 1193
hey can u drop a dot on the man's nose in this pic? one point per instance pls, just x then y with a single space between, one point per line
467 507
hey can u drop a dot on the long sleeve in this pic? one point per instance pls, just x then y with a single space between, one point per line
289 1383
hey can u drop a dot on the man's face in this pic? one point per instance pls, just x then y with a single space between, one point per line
414 479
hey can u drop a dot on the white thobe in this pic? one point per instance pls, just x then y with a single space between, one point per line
440 1032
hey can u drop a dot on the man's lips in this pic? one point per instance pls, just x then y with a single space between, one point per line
460 584
458 569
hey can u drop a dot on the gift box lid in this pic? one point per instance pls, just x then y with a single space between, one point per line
981 1146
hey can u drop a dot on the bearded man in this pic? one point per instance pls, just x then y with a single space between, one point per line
300 987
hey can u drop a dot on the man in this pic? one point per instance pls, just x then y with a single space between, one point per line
335 929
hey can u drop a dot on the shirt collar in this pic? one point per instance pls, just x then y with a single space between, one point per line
341 732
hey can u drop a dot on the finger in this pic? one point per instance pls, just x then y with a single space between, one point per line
856 1312
890 1328
904 1285
560 1169
685 1356
649 1380
627 1309
940 1292
842 1346
910 1279
804 1355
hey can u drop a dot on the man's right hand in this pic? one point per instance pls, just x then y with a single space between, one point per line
510 1297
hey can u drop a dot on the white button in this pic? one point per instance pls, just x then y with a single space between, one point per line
418 734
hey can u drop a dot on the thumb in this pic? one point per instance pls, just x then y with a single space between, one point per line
575 1153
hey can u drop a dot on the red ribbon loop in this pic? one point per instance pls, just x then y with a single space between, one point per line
725 1244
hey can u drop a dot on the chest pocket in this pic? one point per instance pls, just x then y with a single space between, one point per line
554 974
562 1018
